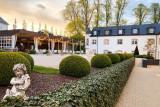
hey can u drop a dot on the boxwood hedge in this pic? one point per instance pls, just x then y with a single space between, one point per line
101 61
75 66
99 89
29 57
114 58
7 62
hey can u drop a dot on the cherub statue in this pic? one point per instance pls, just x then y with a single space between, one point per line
20 83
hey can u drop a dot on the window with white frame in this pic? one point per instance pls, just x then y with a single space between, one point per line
120 32
151 30
151 41
87 43
132 52
106 42
5 42
120 41
134 41
94 41
95 33
119 51
106 51
135 31
107 32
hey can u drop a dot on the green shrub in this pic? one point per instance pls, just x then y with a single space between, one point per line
45 52
140 56
32 52
150 57
122 56
30 59
1 50
128 55
114 58
7 62
100 61
99 89
75 66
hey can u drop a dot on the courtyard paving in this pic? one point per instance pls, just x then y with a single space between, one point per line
53 60
142 88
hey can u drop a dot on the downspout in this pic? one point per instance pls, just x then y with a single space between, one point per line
156 48
97 44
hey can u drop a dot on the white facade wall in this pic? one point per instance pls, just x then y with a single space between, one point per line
3 26
126 46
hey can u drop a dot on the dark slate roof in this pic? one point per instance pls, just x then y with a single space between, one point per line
128 30
3 21
89 31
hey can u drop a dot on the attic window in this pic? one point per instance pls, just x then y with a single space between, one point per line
135 31
95 33
120 32
107 32
151 30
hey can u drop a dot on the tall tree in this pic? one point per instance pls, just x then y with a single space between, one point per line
155 12
32 27
71 14
119 11
86 12
97 16
39 26
24 25
15 24
141 13
108 11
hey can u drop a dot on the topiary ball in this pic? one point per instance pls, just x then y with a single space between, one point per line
1 50
75 66
114 58
7 62
29 57
122 56
32 52
128 55
101 61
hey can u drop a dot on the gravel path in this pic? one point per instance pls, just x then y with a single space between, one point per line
142 88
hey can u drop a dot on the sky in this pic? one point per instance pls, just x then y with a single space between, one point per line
49 12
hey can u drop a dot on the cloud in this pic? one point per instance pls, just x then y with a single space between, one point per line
41 6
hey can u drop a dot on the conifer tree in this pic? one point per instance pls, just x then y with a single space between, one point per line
24 25
136 52
52 30
15 24
39 26
45 29
32 27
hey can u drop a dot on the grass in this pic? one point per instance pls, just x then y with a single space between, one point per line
45 70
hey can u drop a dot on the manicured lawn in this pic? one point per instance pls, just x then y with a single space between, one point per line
45 70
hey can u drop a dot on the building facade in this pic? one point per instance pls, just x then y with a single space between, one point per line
124 39
25 41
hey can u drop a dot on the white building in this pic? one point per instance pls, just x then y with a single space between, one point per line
123 39
25 40
3 24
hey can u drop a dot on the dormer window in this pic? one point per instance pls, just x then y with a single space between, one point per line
95 33
107 32
120 32
151 30
135 31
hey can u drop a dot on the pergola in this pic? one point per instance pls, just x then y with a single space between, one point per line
38 40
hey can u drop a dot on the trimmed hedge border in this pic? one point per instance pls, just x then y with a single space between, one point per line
98 89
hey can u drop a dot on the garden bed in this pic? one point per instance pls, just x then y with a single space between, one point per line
42 83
